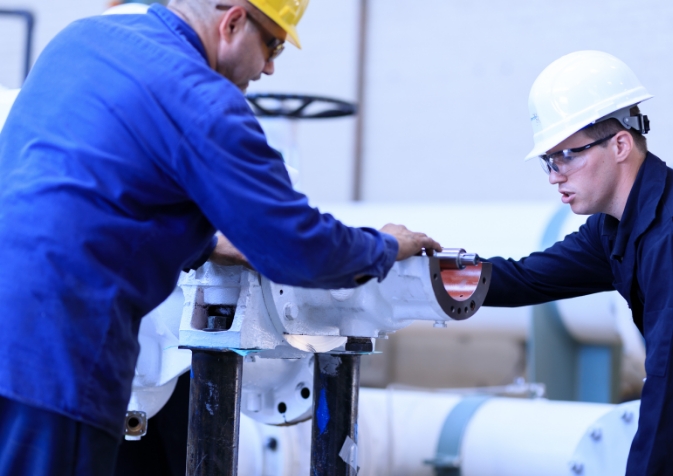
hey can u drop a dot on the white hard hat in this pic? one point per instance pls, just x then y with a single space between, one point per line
127 8
580 89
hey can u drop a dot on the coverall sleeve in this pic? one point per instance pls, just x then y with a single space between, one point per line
242 186
573 267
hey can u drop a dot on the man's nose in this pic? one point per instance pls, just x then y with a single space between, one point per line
556 177
269 68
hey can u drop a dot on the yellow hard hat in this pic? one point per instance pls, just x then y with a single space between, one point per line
286 14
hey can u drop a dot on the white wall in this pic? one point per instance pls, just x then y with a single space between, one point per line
447 90
447 86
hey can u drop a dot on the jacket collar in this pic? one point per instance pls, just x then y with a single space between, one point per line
180 27
641 206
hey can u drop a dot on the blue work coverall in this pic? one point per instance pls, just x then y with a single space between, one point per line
635 257
122 155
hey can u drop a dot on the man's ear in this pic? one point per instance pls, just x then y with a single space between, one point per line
232 23
624 145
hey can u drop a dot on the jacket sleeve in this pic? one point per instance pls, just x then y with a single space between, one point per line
242 186
573 267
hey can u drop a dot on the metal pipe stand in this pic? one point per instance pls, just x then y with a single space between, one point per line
336 386
214 413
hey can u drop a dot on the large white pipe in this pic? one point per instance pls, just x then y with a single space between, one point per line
399 431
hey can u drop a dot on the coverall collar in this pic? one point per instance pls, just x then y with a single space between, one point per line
641 206
180 27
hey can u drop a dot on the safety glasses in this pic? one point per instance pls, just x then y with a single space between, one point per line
566 161
274 46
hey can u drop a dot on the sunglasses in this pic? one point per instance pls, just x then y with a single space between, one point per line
274 46
566 161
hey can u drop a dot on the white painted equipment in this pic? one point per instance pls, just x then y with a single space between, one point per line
274 322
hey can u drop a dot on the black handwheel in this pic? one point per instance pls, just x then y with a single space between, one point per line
298 106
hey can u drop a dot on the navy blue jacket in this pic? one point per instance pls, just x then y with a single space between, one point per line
121 156
635 257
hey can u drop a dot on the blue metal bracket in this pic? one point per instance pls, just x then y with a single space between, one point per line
447 460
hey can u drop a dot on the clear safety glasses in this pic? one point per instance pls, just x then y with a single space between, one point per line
566 161
274 46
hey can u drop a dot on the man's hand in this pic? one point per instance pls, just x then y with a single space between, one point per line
226 254
410 243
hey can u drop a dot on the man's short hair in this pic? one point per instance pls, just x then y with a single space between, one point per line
612 126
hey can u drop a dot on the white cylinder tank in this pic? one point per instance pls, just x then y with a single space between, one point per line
400 430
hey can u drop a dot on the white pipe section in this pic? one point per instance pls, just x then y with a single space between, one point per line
7 97
399 430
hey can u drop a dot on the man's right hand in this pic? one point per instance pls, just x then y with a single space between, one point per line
226 254
410 242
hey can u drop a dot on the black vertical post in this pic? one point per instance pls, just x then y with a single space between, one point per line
29 18
336 385
214 413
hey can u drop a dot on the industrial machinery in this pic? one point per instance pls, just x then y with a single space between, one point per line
400 431
301 349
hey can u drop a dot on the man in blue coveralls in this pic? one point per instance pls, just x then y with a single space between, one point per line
588 135
129 145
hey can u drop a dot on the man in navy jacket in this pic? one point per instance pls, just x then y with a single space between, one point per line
589 139
130 143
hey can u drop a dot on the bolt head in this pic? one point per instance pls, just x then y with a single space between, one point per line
290 311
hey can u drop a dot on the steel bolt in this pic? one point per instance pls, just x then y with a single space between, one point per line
291 311
596 434
272 444
576 467
627 416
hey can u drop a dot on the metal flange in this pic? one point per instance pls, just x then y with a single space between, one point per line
460 281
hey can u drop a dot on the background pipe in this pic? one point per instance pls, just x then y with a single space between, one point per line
29 19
